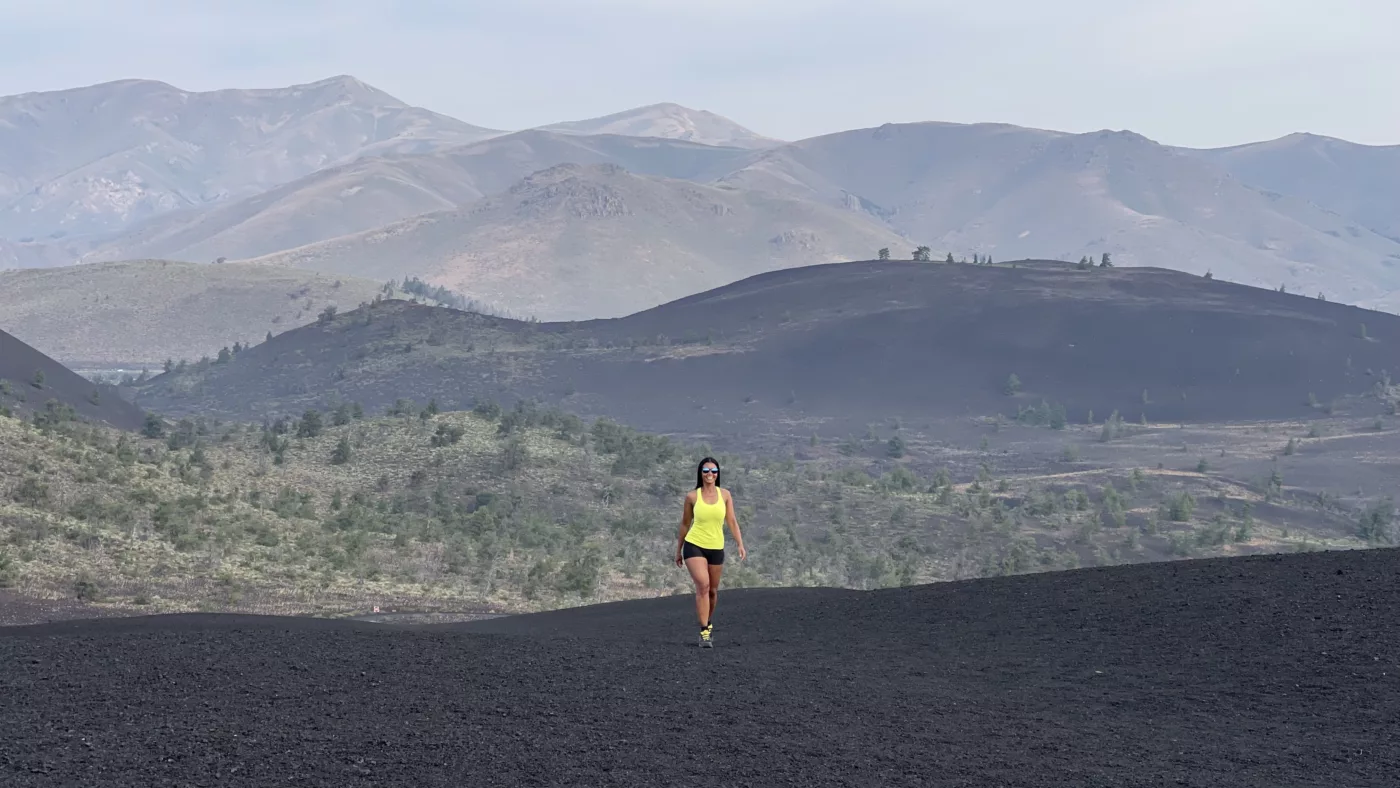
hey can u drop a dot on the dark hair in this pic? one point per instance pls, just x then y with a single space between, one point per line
699 482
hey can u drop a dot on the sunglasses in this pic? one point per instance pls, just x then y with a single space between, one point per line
709 470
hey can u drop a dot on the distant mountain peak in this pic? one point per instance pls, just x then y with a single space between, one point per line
669 121
344 80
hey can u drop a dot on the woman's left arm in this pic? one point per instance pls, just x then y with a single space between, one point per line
734 524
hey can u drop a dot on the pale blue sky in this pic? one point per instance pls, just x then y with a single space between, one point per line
1183 72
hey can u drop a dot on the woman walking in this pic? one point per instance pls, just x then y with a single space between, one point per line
700 545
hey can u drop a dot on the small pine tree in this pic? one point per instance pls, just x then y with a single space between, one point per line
1105 261
884 253
153 427
38 380
1181 507
895 447
1112 427
310 425
1013 385
342 452
949 258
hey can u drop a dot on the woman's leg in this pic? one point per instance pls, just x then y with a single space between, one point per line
701 577
715 571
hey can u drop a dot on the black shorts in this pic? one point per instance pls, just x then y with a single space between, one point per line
712 557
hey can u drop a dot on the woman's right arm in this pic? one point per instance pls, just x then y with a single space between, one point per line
686 513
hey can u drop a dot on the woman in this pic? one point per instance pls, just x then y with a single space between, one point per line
706 510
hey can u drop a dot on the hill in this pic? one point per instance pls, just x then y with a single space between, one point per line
1093 677
375 191
575 242
142 312
1011 192
835 347
669 121
33 384
98 158
1359 182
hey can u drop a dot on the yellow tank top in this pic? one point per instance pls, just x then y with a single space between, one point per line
707 523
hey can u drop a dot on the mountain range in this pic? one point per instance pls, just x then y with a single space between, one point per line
658 202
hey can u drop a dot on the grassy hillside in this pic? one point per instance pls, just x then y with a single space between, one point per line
143 312
529 509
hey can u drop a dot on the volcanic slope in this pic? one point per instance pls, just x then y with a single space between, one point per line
30 381
838 346
1260 671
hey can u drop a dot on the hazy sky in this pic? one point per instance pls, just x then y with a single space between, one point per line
1185 72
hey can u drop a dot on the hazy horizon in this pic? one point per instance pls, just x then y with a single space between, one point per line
1198 74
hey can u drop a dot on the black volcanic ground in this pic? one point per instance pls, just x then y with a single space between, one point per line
1262 671
858 342
19 362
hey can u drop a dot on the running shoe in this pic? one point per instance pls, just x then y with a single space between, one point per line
705 641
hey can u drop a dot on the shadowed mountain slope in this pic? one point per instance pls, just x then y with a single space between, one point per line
1271 670
30 380
843 343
